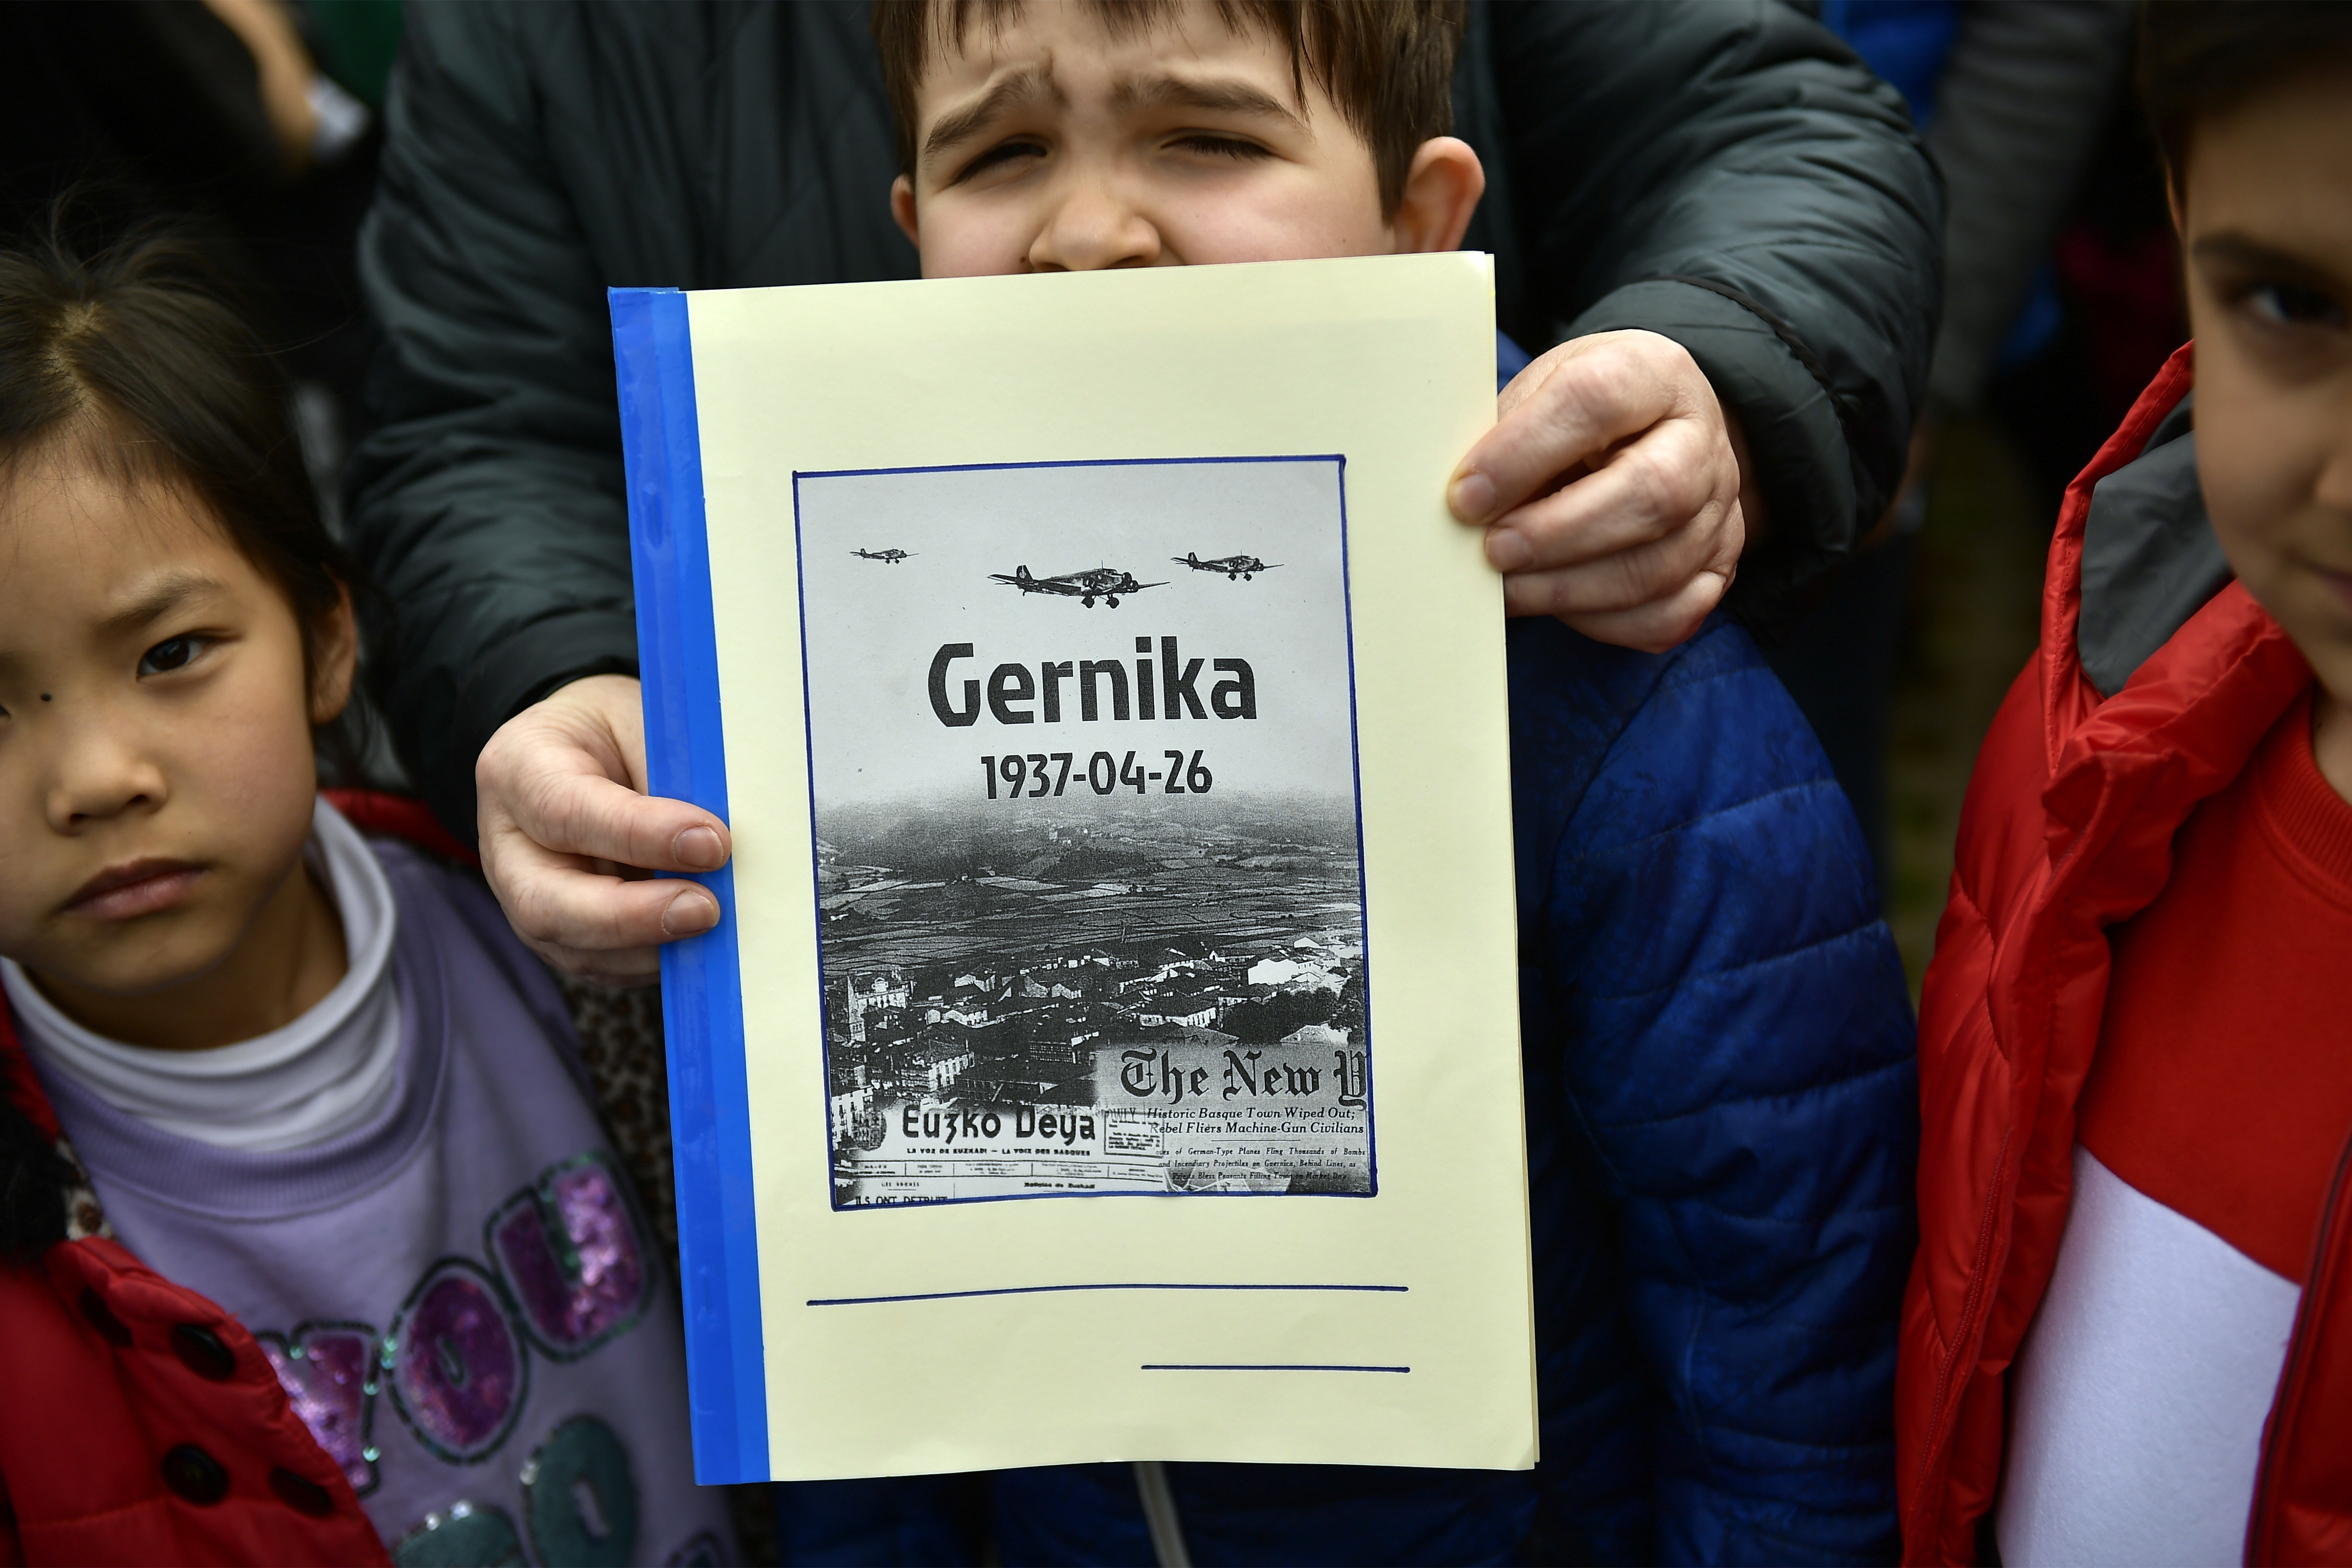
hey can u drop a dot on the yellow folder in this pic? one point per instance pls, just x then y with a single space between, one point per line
1110 1048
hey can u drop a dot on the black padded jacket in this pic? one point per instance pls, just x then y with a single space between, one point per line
1724 171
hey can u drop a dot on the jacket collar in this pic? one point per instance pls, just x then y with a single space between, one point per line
2126 770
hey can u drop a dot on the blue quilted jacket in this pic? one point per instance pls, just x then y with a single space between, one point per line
1722 1125
1721 1128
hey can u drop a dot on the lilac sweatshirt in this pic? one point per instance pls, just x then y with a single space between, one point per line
459 1295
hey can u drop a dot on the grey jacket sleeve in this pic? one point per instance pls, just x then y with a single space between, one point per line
489 507
535 154
1727 173
2023 97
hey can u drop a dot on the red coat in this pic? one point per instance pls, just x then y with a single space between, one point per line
141 1423
2068 830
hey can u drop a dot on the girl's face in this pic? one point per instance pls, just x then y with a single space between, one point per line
156 776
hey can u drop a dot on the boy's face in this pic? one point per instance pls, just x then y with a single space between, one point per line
155 766
2265 217
1052 146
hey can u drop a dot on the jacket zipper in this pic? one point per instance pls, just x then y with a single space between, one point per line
1965 1323
2298 1353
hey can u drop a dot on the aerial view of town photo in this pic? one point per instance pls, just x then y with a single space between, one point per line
1089 1001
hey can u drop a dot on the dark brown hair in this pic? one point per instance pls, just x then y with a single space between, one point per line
142 359
2200 57
1388 65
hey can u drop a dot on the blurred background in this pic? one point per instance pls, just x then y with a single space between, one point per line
260 116
2061 300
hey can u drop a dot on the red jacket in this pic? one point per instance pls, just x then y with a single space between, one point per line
2068 830
141 1423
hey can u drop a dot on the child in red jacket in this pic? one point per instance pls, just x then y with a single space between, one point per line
2128 1335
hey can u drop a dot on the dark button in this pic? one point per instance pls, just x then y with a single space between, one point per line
101 1317
301 1496
194 1476
203 1351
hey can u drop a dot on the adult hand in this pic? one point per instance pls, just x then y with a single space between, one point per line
1615 489
569 836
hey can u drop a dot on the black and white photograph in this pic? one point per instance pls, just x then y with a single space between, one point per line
1085 818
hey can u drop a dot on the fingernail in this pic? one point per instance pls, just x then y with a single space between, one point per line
1473 497
689 914
700 848
1506 551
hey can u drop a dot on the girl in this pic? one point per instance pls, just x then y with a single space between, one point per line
315 1250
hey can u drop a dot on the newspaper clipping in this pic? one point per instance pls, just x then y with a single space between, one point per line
1082 745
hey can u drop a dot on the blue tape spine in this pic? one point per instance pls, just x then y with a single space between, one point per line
702 1009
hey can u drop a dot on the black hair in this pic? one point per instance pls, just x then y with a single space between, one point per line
2200 57
141 354
34 1183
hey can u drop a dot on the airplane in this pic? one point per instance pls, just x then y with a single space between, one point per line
1241 566
1106 583
892 556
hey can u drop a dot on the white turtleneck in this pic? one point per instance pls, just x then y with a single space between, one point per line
324 1073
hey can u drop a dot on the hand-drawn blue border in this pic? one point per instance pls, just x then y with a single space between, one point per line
1356 778
1259 1366
1057 1289
702 1005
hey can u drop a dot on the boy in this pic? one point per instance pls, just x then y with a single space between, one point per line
2126 1337
1718 1048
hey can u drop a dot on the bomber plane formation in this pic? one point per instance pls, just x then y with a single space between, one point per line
1108 583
